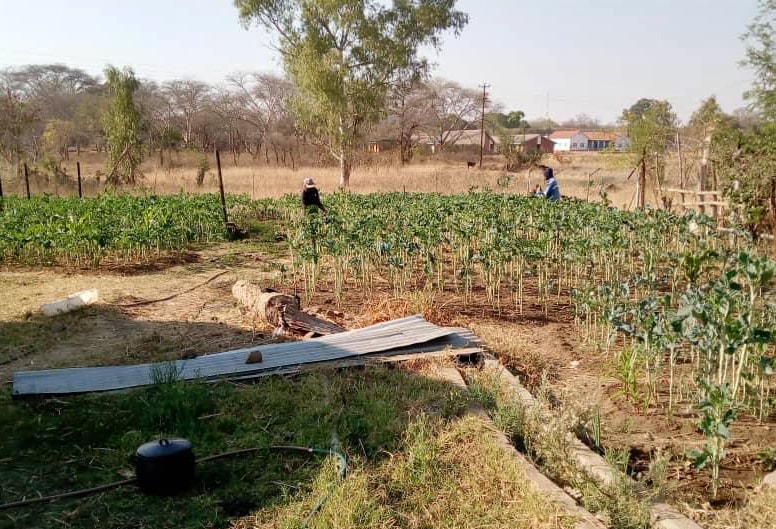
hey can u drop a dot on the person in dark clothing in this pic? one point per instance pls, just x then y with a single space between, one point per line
551 190
310 196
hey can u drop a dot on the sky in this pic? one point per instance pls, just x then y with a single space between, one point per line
561 57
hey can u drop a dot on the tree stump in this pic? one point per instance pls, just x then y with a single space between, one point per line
282 311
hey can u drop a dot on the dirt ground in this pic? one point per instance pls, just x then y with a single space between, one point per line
207 319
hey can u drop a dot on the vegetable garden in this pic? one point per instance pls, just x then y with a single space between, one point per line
73 232
682 315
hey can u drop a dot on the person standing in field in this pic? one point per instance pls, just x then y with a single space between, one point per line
310 196
551 189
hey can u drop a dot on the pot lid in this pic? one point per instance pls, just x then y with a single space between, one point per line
163 448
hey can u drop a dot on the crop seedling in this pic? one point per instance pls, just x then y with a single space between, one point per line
718 414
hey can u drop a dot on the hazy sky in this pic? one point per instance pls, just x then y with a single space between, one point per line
595 56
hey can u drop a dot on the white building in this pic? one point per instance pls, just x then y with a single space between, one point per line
569 140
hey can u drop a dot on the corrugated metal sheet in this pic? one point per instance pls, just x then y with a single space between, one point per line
404 336
376 359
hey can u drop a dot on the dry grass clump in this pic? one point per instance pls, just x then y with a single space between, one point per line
445 475
517 354
545 436
759 512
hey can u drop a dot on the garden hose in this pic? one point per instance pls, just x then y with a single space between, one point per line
342 463
64 495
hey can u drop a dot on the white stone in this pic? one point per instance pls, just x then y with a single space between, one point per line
70 303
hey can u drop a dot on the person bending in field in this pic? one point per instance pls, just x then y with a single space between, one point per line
551 189
310 196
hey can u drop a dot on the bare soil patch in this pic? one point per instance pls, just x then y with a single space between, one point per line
202 321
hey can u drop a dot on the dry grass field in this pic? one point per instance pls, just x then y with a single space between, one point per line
375 174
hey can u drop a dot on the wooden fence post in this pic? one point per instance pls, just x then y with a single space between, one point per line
1 193
27 180
78 170
643 182
221 187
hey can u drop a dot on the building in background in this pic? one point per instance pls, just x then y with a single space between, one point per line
531 143
459 141
589 140
569 140
600 140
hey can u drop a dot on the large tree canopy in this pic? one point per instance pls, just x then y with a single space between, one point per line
512 120
651 125
343 56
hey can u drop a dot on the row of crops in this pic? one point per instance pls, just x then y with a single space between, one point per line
70 231
686 315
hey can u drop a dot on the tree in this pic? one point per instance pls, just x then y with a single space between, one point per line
56 137
344 55
409 110
160 121
87 117
452 109
123 127
187 99
582 121
56 92
711 129
225 106
745 118
761 58
546 124
651 126
747 161
16 118
44 81
262 102
513 120
516 120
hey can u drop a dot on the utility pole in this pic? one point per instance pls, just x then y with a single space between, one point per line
484 86
547 115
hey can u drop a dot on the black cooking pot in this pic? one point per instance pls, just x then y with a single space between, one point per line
165 467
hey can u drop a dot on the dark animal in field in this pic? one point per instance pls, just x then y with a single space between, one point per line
469 165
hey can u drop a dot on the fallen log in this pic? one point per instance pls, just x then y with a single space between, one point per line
282 311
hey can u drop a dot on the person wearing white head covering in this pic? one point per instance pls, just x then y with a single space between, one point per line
310 195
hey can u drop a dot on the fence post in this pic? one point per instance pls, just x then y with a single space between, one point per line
27 180
221 187
643 182
78 170
1 193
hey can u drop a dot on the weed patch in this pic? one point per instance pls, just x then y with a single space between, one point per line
414 462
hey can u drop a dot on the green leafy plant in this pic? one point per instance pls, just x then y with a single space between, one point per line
718 414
